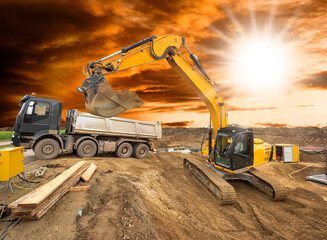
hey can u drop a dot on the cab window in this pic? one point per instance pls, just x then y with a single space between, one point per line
42 109
242 144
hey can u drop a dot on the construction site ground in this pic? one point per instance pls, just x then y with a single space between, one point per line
155 198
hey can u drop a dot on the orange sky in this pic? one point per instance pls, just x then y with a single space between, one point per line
45 44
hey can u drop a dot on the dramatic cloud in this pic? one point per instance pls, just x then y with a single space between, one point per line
177 124
315 81
45 44
268 124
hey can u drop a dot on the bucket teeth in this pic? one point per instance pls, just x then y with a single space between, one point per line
102 100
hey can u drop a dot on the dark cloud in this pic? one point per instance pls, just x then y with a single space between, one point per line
177 124
45 44
268 124
315 81
163 86
199 109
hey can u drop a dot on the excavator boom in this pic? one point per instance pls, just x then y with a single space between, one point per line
101 99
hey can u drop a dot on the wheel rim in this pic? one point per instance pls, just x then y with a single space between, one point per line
87 149
47 149
142 151
124 150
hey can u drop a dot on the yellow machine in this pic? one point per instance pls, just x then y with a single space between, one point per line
232 152
286 152
11 162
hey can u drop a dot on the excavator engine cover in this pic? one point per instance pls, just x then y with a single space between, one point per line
102 100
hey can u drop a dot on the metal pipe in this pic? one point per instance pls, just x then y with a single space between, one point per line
110 56
221 116
210 139
189 51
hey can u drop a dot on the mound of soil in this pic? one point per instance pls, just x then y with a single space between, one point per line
156 198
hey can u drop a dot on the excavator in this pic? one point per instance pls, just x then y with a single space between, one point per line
232 152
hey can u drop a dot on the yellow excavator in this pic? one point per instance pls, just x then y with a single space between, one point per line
232 153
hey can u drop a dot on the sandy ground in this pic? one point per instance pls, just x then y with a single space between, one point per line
155 198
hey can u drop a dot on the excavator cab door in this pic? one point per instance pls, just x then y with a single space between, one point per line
221 152
237 154
242 150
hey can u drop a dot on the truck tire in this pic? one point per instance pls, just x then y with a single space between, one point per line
124 150
140 150
46 149
86 149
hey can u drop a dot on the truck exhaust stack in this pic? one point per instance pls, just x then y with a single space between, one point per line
102 100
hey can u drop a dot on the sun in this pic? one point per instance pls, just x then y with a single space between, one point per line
259 57
260 63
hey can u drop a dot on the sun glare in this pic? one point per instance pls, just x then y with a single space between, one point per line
260 64
259 59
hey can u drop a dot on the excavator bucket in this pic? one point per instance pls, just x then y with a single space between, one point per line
102 100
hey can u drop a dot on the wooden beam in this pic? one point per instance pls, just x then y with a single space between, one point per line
89 172
53 201
80 188
41 193
39 211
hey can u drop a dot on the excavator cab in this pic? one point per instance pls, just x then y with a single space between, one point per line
238 153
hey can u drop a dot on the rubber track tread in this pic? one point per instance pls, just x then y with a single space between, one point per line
216 184
279 191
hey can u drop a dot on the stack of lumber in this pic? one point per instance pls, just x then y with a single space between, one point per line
36 203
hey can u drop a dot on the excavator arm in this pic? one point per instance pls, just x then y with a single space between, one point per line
101 99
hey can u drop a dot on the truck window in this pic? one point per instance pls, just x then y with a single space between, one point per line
42 109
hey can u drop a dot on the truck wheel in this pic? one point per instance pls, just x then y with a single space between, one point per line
141 150
124 150
47 149
86 149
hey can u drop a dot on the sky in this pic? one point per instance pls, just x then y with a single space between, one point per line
267 57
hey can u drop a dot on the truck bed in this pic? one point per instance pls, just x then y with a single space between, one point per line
85 123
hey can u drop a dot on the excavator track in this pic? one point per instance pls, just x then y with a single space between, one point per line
269 185
215 183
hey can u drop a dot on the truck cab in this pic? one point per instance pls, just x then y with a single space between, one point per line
37 117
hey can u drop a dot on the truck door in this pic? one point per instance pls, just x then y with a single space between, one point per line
37 116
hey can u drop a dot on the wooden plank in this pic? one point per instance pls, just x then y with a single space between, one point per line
57 194
27 217
15 203
53 201
38 212
89 172
45 190
80 188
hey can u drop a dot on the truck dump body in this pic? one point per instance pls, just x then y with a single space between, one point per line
85 123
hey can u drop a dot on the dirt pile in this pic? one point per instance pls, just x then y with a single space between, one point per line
155 198
301 136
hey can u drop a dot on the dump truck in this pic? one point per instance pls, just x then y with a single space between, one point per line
37 127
